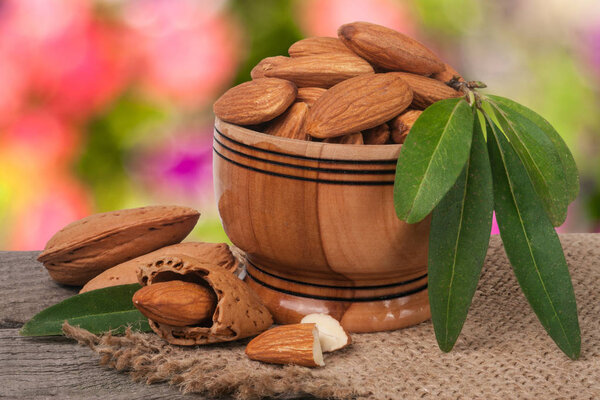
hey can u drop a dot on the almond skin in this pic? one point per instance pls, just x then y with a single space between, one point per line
447 74
287 344
317 45
290 124
427 91
402 124
256 101
320 70
89 246
267 63
388 49
378 135
358 103
309 95
176 303
352 138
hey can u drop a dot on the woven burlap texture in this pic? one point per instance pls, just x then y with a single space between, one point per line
502 353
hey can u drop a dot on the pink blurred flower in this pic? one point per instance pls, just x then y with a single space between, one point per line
58 201
190 48
73 63
39 139
323 17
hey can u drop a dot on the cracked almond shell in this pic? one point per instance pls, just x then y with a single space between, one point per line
125 273
239 312
89 246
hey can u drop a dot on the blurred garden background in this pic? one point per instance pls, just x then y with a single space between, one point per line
107 104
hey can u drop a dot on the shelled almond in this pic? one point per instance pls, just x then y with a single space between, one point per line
360 81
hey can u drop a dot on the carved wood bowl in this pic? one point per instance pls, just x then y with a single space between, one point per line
318 226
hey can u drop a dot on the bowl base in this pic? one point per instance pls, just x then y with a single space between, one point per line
358 308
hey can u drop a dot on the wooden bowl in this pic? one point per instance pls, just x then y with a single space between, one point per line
318 226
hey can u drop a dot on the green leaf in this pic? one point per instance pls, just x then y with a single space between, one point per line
98 311
566 158
432 158
460 233
532 246
541 161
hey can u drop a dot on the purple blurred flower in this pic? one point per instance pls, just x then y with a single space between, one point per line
180 167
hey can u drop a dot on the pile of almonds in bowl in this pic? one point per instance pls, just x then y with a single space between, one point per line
368 86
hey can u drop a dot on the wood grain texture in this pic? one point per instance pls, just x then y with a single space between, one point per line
318 226
33 368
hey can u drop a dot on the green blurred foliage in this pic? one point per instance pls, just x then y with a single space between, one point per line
270 29
110 138
443 17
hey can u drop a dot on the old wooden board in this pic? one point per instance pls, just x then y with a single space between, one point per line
52 367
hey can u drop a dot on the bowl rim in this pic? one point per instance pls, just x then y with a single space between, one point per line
306 149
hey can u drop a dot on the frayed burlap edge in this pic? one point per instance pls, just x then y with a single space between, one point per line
216 370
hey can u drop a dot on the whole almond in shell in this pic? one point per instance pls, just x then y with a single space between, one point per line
358 103
239 312
427 91
85 248
290 124
264 65
126 273
317 45
320 70
378 135
256 101
389 49
309 95
176 303
352 138
447 74
402 124
296 344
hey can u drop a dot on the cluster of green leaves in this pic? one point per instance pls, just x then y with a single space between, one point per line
103 310
468 159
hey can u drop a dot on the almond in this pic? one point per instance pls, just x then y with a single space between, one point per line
320 70
126 273
358 103
378 135
176 303
317 45
309 95
402 124
288 344
256 101
267 63
239 312
388 49
91 245
332 335
427 91
352 138
290 124
447 74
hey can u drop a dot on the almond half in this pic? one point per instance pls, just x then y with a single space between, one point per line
402 124
297 344
331 334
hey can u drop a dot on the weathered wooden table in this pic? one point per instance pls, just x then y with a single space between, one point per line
54 366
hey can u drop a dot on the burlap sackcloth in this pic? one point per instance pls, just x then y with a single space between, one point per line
503 351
